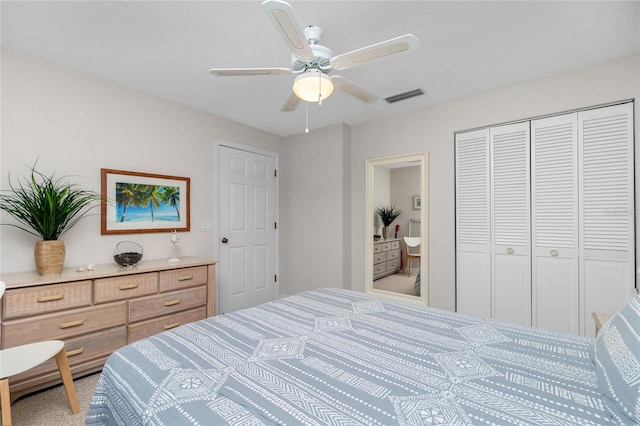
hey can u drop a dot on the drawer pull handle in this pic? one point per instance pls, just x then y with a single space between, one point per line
185 278
71 323
172 302
172 325
128 286
50 298
75 352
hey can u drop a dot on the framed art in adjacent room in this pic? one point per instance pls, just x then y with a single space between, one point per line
417 202
134 202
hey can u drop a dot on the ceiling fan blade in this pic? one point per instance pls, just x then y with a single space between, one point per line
365 55
291 103
352 89
281 15
232 72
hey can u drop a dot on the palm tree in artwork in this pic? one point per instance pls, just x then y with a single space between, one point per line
125 197
171 195
150 197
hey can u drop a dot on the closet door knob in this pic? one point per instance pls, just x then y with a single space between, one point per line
225 240
554 253
510 250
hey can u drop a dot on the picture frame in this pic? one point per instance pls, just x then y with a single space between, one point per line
417 202
135 202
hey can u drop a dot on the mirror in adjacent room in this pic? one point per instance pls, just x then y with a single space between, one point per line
396 263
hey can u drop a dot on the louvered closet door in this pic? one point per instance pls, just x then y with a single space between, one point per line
510 223
473 274
607 200
554 206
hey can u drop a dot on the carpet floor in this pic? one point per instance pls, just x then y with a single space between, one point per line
398 283
50 407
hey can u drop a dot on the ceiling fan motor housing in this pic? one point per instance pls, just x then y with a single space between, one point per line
321 55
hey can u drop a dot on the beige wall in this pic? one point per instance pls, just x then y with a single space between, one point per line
313 220
405 183
433 128
76 124
381 194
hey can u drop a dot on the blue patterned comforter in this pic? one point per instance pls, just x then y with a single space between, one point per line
337 357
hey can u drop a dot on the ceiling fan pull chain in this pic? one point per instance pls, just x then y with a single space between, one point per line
319 87
306 129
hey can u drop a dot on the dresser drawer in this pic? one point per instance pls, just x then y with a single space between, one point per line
181 278
64 324
377 248
379 268
395 245
21 302
82 349
166 303
150 327
125 287
379 258
393 265
393 254
386 246
95 345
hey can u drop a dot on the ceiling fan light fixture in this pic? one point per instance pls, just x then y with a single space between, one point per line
313 86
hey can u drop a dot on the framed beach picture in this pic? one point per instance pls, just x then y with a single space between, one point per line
134 202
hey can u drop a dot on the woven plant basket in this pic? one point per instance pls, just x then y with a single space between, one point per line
49 257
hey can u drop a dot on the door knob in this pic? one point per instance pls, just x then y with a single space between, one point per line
225 240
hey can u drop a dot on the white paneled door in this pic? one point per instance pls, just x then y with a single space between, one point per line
556 238
247 229
554 193
473 257
510 224
606 196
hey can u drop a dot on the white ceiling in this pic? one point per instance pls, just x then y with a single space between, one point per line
167 47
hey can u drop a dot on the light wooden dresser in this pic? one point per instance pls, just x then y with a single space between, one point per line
97 312
386 257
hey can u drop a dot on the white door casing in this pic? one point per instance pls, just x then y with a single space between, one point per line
247 228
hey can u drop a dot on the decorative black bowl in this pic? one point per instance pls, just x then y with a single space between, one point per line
127 253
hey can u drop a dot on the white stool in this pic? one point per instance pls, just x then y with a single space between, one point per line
19 359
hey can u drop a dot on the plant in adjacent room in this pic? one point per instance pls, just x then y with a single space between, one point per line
387 215
47 207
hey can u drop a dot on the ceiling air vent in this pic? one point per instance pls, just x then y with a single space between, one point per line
405 95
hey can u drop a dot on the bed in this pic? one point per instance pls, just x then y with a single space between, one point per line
338 357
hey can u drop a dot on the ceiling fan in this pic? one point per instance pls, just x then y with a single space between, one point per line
312 61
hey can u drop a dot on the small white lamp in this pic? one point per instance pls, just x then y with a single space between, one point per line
174 240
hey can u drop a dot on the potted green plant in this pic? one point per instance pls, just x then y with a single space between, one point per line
47 207
387 215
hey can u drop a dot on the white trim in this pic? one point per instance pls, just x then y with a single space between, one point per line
423 158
